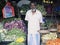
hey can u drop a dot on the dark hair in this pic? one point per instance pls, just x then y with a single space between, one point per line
33 3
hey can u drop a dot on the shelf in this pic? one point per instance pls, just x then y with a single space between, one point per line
44 31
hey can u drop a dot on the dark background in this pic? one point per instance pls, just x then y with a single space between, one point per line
2 4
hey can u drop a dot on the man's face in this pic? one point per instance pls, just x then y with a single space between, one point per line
33 6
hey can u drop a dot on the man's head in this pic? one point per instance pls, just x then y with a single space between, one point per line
33 6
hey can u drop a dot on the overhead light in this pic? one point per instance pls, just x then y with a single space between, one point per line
51 2
47 1
44 1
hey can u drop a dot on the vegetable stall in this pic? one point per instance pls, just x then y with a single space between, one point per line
12 32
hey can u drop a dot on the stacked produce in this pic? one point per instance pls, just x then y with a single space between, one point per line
17 36
1 25
53 42
13 30
15 24
42 9
24 8
50 36
2 34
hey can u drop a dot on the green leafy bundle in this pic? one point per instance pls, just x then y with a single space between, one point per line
17 32
42 9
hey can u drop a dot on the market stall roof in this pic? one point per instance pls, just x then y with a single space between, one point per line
20 3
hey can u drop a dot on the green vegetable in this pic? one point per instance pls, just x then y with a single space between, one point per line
14 43
17 32
10 19
24 9
0 37
49 36
42 9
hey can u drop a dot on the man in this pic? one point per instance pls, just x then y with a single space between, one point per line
34 18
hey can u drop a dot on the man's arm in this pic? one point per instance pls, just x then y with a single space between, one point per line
41 19
26 17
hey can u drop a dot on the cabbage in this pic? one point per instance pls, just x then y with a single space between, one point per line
49 36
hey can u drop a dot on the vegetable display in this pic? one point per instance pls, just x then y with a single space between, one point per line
53 42
16 32
17 36
42 9
15 24
50 36
14 43
13 30
23 9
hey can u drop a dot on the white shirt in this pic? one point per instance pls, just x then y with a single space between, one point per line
34 21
